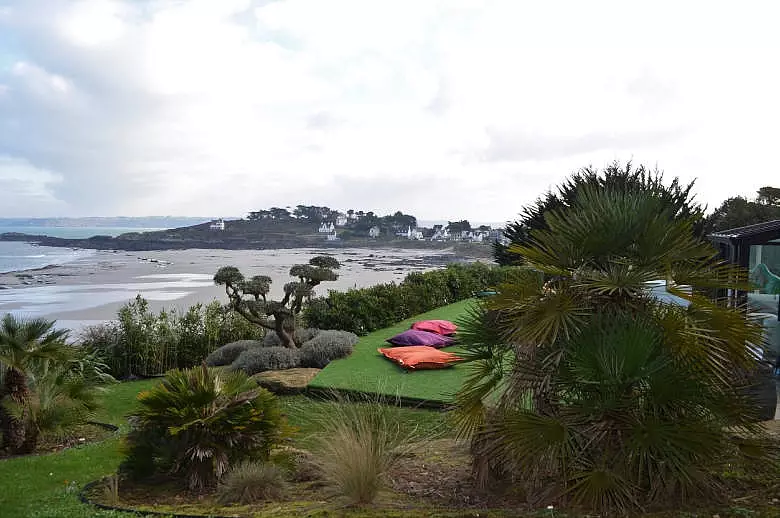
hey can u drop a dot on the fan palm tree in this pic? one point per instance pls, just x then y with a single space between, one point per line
584 385
25 346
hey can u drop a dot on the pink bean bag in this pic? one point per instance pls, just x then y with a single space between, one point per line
442 327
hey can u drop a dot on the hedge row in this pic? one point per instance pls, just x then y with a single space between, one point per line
364 310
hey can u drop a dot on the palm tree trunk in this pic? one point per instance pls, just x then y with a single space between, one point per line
14 429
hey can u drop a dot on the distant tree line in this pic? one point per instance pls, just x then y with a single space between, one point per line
739 211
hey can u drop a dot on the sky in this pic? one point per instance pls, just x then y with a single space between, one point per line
440 108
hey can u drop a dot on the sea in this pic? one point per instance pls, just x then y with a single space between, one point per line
18 256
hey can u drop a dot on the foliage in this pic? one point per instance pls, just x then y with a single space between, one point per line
585 387
327 346
262 359
198 423
676 198
251 482
228 353
300 335
364 310
360 443
249 297
739 212
27 347
142 343
61 399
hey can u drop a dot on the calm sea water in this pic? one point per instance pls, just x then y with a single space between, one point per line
16 256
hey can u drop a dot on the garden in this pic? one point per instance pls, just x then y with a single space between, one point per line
570 391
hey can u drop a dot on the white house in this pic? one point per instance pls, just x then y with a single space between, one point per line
326 228
441 234
333 236
341 220
374 232
218 224
413 234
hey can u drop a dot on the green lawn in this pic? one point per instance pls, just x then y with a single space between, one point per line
47 485
367 371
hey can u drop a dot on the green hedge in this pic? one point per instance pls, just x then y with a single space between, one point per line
364 310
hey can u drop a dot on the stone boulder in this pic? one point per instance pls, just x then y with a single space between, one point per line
288 381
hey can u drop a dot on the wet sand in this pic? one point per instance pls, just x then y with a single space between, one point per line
90 290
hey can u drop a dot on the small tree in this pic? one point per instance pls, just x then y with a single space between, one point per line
249 297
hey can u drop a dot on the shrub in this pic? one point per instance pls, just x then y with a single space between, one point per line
144 343
262 359
251 482
587 388
300 335
198 423
359 444
228 353
364 310
327 346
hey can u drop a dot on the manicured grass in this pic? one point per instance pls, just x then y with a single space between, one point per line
367 371
47 485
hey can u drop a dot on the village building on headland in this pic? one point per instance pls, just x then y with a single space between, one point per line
217 224
326 228
374 232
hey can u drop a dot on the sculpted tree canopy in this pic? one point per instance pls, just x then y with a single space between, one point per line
249 296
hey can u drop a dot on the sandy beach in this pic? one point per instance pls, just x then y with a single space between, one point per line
91 289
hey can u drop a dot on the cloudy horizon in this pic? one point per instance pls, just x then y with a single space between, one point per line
440 108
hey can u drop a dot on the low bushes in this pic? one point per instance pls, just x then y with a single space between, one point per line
143 343
300 335
327 346
364 310
320 350
252 482
262 359
228 353
199 423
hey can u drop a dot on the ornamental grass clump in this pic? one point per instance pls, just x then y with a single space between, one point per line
251 482
589 390
199 423
359 444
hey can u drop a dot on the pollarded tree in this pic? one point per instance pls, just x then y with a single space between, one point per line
249 297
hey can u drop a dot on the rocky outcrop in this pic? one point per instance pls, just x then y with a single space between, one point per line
288 381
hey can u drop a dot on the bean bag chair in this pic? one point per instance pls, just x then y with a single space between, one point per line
415 337
419 357
442 327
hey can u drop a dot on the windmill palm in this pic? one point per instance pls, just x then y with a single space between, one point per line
586 387
25 346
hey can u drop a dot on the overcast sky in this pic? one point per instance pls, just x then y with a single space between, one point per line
442 109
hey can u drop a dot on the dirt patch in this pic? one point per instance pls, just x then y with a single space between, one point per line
433 478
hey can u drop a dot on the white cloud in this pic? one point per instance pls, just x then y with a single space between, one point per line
202 106
23 186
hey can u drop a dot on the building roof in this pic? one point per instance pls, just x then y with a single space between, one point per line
751 234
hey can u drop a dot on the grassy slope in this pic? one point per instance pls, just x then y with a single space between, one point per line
46 486
365 370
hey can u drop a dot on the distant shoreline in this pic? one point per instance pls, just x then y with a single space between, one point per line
286 242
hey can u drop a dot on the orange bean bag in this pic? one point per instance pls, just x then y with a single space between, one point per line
418 357
441 327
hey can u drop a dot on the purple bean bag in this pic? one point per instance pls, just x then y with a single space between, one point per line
415 337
